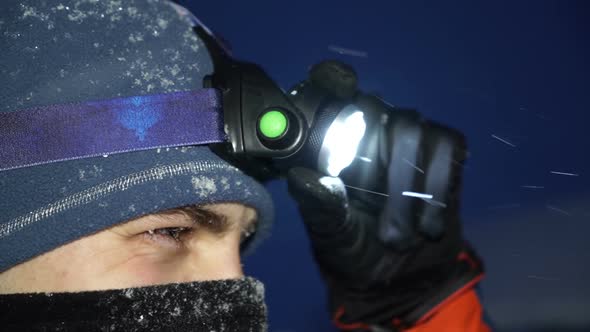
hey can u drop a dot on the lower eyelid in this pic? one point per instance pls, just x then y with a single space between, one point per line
163 240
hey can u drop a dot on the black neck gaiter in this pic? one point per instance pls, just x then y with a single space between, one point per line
225 305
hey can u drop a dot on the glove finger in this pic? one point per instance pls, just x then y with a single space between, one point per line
399 215
322 199
335 77
446 152
343 237
353 252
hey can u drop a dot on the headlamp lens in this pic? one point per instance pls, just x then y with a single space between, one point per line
342 140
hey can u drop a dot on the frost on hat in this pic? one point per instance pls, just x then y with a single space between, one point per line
56 52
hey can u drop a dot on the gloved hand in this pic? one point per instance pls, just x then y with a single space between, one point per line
390 264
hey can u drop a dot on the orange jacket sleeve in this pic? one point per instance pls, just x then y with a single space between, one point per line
460 313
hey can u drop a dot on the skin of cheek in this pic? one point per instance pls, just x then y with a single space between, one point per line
94 262
142 270
204 256
104 261
138 266
139 262
61 269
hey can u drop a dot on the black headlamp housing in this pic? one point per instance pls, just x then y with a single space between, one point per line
312 107
247 93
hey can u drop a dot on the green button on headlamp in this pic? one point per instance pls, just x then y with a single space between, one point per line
273 124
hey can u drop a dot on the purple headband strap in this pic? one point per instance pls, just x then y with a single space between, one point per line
63 132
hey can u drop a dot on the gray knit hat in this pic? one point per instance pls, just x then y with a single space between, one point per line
56 52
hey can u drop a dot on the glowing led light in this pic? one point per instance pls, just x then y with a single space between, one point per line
293 93
342 140
273 124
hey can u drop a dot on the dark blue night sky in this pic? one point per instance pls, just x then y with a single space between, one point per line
498 70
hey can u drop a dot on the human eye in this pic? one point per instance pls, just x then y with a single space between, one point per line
169 236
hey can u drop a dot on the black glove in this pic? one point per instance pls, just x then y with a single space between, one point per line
388 264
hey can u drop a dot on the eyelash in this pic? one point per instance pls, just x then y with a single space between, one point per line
176 234
169 233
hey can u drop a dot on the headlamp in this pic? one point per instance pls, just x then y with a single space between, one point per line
324 123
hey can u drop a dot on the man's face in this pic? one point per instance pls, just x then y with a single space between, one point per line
153 249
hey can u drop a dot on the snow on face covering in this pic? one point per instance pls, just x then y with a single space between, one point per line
232 305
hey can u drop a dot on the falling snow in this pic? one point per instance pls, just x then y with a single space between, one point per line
564 173
503 141
413 166
553 208
504 207
366 190
348 51
417 195
542 278
434 202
